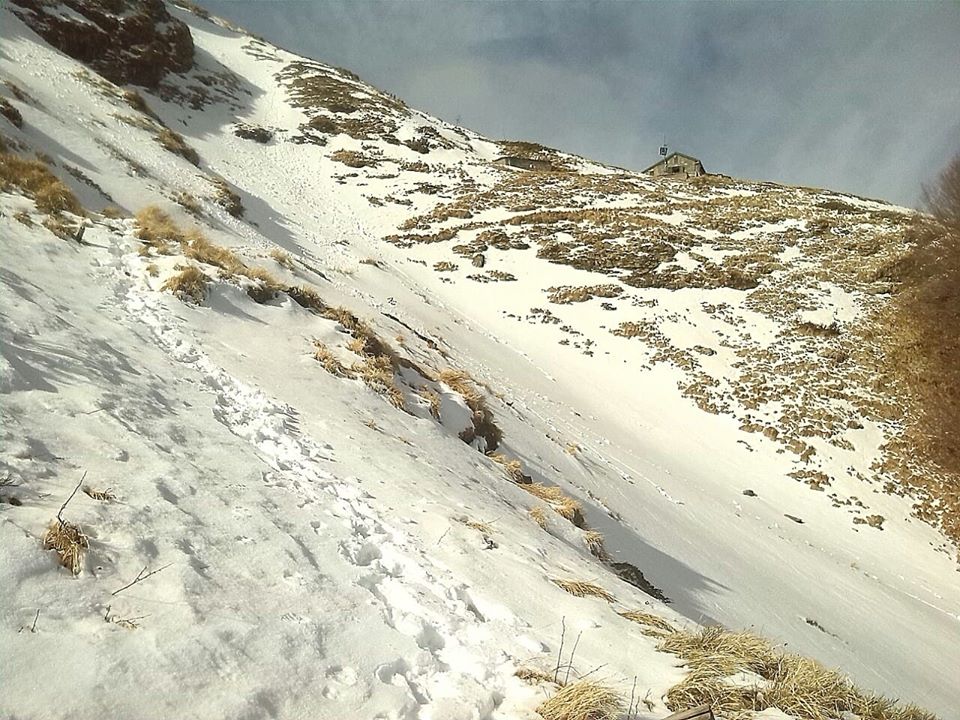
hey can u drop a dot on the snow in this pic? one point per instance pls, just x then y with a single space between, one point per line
315 559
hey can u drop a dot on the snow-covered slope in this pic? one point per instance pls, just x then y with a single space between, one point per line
303 470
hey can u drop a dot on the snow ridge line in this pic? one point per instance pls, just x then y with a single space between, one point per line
455 663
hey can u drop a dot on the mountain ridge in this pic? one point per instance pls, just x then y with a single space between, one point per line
313 197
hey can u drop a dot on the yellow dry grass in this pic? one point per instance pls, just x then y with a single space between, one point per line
159 231
329 361
174 142
199 248
798 686
102 495
227 198
513 468
155 227
189 284
189 202
582 700
433 399
113 213
35 180
538 516
583 588
282 257
594 542
654 624
484 423
460 382
562 503
306 297
377 372
477 525
69 542
565 295
354 159
534 676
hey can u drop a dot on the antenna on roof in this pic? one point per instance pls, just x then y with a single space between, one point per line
663 148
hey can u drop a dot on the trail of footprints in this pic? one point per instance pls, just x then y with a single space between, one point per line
415 598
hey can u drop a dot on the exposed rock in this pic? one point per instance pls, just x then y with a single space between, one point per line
632 574
11 113
253 132
479 260
133 42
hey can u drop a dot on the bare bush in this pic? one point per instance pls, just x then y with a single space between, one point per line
923 351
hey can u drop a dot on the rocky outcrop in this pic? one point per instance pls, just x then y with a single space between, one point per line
134 42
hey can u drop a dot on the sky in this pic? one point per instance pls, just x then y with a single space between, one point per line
862 97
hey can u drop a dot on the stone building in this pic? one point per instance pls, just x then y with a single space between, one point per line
677 165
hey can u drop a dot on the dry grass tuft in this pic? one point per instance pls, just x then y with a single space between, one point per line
798 686
34 178
11 113
175 143
282 257
135 100
654 624
227 197
433 399
189 202
189 284
562 503
582 588
202 250
594 542
485 528
306 297
156 228
538 516
582 700
534 676
69 542
101 495
354 159
60 226
565 295
484 423
377 372
330 363
513 468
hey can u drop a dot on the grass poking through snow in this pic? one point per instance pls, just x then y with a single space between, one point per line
582 700
583 588
69 542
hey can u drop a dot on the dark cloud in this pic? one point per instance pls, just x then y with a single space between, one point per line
856 96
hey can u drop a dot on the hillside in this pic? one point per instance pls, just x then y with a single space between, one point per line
328 415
